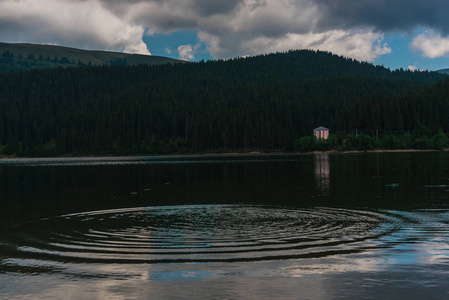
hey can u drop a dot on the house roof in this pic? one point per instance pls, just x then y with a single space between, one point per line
321 128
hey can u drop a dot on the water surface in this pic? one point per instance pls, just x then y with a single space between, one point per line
316 226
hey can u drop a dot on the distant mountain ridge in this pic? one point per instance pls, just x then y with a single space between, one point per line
16 57
444 71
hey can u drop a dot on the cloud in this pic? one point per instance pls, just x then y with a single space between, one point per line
83 24
187 52
361 45
229 28
383 15
250 27
431 44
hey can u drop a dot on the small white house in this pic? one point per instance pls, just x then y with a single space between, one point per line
321 133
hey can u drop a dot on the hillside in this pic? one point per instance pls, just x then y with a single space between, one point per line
263 102
443 71
14 57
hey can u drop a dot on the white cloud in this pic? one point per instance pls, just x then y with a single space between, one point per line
187 52
361 45
431 44
83 24
412 68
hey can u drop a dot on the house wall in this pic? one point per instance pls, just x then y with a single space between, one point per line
321 134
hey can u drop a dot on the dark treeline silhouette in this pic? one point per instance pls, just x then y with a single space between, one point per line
264 102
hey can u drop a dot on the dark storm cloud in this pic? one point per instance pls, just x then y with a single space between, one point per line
383 15
245 27
230 27
202 7
208 7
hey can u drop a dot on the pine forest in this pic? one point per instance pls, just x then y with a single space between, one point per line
264 103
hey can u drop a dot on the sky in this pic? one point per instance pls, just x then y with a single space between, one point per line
408 34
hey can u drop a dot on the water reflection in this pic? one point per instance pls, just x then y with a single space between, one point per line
232 228
322 173
188 234
210 251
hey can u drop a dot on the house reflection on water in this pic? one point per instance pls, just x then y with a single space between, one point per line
322 173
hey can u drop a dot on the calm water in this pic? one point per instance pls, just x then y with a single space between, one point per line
320 226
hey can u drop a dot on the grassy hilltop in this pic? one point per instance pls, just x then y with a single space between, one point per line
15 57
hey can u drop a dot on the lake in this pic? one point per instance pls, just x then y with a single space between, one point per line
307 226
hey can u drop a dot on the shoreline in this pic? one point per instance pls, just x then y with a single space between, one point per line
233 153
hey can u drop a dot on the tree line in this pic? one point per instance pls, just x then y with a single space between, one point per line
263 103
423 138
11 62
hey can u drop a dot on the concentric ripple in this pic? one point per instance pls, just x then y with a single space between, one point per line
208 233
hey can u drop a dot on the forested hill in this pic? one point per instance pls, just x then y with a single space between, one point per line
304 65
16 57
263 102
